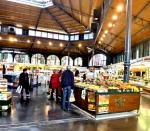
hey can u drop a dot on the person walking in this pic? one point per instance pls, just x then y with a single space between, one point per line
55 84
24 82
67 83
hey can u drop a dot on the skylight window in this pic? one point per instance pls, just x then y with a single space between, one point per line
37 3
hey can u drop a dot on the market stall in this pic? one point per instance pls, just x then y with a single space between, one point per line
102 99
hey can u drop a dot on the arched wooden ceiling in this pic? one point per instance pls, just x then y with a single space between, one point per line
71 16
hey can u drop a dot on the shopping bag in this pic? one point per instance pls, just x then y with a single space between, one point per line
18 90
83 94
72 98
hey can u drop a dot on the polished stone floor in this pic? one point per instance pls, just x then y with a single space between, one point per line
40 114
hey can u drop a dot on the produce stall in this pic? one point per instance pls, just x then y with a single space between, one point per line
109 97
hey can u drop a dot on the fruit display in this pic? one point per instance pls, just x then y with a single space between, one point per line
103 99
109 86
103 109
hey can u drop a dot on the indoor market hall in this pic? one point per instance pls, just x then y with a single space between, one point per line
74 65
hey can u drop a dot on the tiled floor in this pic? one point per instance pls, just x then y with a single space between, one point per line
40 114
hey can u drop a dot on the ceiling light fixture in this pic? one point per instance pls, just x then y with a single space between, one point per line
0 38
79 45
15 39
61 44
114 17
11 39
18 25
50 43
104 35
110 25
38 42
120 8
99 42
106 31
28 41
102 39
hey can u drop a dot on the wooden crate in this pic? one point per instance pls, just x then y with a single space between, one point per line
5 95
3 85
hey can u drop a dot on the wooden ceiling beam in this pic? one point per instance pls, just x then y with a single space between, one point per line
71 8
90 6
138 32
74 11
142 10
58 23
80 10
105 8
62 9
20 7
38 20
133 19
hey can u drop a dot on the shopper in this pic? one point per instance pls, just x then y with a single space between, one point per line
76 72
67 83
84 76
24 82
55 84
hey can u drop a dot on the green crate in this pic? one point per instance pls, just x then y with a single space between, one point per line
4 107
7 102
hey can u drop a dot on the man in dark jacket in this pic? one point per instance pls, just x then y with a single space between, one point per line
24 82
67 83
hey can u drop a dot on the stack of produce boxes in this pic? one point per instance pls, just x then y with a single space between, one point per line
5 97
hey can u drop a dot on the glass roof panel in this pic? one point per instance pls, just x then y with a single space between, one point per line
37 3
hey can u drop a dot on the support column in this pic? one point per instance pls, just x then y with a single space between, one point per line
69 51
13 56
128 41
93 57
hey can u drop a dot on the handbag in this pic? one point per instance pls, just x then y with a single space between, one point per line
19 88
72 98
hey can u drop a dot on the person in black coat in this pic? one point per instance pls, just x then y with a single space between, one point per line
24 82
76 73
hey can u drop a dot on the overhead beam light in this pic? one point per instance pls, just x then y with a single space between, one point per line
38 42
79 45
104 35
50 43
18 25
15 39
114 17
28 41
111 25
0 38
11 39
119 8
106 31
61 44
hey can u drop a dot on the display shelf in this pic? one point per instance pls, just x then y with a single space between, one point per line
103 105
91 102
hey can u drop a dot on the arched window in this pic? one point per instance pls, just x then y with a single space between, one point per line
6 57
21 58
98 60
38 59
53 60
78 61
64 61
